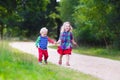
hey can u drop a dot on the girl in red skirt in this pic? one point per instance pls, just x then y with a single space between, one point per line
65 40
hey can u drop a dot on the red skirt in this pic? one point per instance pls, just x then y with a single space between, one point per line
63 52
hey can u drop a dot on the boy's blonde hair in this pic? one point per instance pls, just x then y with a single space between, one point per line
64 25
44 29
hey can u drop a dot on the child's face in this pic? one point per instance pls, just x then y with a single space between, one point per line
44 33
67 27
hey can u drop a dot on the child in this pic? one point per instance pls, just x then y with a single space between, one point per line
65 40
41 44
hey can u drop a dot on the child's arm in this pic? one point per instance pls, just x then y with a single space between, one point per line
37 42
58 41
51 40
73 41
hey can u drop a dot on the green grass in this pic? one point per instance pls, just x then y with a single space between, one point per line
16 65
100 52
95 51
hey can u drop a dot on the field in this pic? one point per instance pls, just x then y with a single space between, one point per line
16 65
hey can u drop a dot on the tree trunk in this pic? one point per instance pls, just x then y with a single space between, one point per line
106 43
1 31
59 24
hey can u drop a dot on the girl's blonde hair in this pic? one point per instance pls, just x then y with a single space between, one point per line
64 25
44 29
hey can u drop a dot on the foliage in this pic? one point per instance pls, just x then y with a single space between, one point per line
66 9
96 21
98 16
7 7
26 17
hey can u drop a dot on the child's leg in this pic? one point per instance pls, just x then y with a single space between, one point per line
40 55
67 59
45 56
60 59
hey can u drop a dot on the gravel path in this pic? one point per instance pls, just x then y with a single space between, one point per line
105 69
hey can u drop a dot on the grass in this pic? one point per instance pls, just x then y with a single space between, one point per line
16 65
99 52
95 51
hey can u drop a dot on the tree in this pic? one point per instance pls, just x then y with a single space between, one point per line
33 14
67 8
114 22
6 9
37 14
27 16
98 20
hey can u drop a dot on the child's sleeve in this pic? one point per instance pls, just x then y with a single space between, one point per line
37 42
51 40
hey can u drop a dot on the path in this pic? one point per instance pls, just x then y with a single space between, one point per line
105 69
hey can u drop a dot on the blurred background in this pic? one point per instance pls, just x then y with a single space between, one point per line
95 22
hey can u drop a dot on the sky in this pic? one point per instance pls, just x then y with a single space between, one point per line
58 0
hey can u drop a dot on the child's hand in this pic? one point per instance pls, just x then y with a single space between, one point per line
57 44
54 43
75 44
